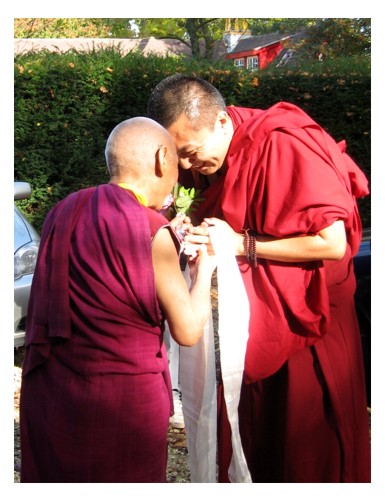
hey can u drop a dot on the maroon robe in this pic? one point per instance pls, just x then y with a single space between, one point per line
303 411
95 396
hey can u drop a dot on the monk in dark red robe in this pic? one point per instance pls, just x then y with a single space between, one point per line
302 412
96 396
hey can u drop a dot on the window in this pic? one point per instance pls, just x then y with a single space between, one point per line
252 62
239 63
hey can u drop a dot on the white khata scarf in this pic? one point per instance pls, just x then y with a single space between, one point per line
198 375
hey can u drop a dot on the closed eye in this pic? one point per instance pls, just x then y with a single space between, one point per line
186 154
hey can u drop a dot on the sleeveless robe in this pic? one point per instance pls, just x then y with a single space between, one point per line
95 396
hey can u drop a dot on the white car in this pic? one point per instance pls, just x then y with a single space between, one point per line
26 245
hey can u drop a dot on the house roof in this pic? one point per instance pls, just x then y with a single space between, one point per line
146 46
257 42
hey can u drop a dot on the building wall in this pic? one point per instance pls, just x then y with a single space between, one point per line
266 55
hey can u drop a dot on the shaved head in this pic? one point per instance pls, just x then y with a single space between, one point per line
132 146
140 152
187 95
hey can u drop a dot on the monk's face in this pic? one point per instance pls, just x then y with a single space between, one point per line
205 149
165 183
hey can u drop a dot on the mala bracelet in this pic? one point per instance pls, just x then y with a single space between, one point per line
250 246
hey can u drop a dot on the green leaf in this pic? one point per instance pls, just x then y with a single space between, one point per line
185 199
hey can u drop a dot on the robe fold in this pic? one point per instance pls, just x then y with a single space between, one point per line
95 395
302 413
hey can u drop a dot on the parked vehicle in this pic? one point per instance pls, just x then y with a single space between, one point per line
26 245
362 269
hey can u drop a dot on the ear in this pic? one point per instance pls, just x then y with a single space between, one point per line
224 123
161 161
224 120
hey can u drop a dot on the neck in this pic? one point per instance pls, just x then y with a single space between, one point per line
139 195
213 177
204 181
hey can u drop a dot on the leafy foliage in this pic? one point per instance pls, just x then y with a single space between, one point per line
162 28
72 28
185 199
335 38
67 104
325 37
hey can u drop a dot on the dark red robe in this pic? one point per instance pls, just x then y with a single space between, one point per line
302 412
95 396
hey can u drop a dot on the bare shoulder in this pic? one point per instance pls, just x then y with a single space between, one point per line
165 243
165 257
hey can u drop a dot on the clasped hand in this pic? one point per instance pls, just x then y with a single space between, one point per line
198 235
193 237
196 242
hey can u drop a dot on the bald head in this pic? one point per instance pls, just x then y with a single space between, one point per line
140 152
132 147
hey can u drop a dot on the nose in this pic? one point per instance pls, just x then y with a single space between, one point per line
185 163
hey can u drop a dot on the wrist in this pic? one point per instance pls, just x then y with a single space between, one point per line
239 245
250 246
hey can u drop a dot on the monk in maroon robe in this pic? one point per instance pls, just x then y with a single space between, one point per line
276 173
95 397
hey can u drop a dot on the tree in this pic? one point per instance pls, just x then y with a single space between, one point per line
331 37
321 37
260 26
336 37
199 34
326 37
162 28
73 28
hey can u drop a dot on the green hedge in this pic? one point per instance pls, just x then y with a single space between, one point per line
67 104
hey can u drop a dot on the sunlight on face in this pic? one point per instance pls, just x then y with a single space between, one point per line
203 150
